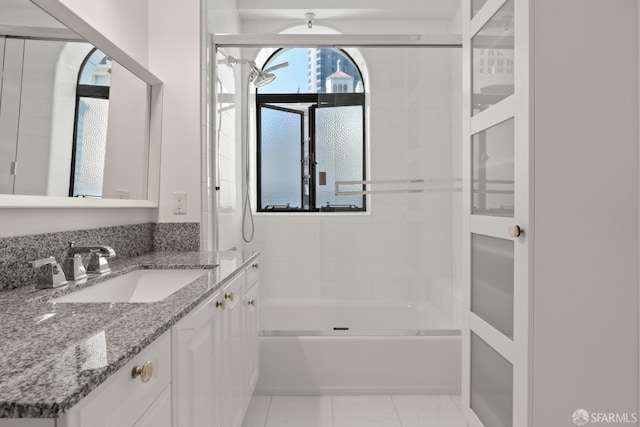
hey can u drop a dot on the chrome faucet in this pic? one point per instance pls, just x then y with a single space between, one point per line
50 275
74 267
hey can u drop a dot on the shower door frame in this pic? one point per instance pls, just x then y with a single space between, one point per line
209 206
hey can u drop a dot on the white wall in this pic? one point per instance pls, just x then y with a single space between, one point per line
124 22
125 163
175 57
586 209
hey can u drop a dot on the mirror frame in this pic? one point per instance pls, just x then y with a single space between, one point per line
76 24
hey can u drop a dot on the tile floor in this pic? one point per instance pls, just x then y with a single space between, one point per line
354 411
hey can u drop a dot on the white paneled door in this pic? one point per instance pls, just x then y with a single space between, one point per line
497 212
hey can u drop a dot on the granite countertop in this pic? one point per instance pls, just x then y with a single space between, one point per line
54 354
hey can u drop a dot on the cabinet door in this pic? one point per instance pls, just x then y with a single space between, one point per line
251 339
496 190
195 386
234 357
159 414
122 400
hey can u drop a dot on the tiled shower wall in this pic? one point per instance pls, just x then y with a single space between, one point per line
401 249
128 241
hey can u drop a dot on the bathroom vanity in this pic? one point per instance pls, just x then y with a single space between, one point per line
179 361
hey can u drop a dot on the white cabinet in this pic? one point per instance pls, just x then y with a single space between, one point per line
123 401
215 357
159 413
251 331
233 359
196 365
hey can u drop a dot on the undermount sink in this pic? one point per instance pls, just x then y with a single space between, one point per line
136 286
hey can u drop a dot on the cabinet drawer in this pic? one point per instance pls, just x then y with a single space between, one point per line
252 273
121 400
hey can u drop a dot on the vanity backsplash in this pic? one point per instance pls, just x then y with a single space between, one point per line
128 241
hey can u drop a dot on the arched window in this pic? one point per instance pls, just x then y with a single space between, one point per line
310 133
90 129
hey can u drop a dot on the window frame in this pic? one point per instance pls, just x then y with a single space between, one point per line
317 100
83 91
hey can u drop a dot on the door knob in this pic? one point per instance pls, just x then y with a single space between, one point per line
515 231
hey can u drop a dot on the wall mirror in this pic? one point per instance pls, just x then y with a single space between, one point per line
75 121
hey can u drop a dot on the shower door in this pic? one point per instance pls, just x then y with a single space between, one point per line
497 232
11 63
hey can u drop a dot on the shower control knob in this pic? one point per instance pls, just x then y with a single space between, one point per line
515 231
230 296
144 372
221 304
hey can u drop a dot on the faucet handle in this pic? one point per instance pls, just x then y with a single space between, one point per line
42 262
50 277
98 263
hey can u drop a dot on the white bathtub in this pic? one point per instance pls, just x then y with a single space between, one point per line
387 348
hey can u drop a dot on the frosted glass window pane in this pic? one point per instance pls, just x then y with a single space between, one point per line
493 170
491 385
492 281
280 168
476 5
339 139
90 146
493 60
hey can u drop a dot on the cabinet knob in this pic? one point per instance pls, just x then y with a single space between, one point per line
252 303
221 304
144 372
230 296
255 265
515 231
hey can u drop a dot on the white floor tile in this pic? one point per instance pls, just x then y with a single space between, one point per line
428 411
364 411
458 402
300 411
257 412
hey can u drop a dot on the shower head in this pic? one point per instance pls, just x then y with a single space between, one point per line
257 76
264 77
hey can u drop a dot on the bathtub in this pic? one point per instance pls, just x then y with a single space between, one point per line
357 348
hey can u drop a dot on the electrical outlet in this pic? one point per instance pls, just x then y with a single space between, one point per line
122 194
180 203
